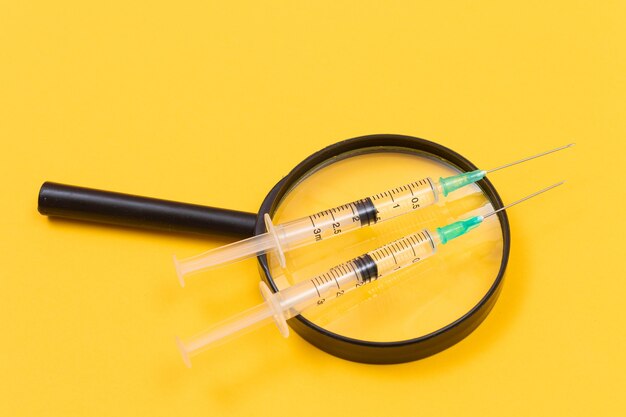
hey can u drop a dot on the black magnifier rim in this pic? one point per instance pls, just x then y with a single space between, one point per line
396 351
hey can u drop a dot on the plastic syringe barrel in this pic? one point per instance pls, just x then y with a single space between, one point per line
319 226
293 300
89 204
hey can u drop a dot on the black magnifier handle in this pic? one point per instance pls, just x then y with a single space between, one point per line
89 204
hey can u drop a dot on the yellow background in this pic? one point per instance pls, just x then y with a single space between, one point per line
194 102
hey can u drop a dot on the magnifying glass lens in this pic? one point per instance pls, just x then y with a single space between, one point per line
414 301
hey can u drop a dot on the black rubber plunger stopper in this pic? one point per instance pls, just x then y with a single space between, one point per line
81 203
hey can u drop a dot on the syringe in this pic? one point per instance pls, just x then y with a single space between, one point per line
291 301
336 221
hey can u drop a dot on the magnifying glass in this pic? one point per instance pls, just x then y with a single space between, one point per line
419 312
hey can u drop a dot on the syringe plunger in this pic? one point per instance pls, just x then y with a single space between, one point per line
262 314
222 255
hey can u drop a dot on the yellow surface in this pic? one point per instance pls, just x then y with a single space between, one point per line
198 102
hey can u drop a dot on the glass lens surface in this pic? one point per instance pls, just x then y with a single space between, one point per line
416 300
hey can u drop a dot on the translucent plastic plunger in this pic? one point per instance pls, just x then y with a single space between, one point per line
246 321
223 255
291 301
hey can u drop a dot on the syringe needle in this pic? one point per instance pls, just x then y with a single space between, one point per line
524 199
530 157
455 182
459 228
223 255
